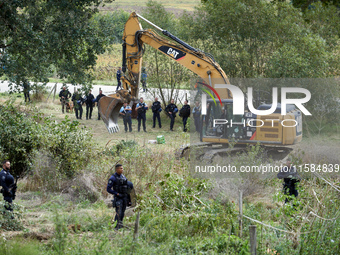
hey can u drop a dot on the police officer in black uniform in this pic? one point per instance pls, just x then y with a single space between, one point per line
27 89
89 105
100 95
120 187
9 187
290 179
141 108
119 75
185 114
171 109
197 116
126 111
156 109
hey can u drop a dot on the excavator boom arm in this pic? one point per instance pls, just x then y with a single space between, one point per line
203 64
134 38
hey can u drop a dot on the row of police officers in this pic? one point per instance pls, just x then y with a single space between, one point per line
78 101
126 110
171 110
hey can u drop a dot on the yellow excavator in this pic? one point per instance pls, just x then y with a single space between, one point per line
248 129
134 37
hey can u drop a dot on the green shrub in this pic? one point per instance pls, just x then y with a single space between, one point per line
60 241
16 137
10 220
181 194
23 133
69 145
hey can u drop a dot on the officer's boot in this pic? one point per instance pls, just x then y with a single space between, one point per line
119 225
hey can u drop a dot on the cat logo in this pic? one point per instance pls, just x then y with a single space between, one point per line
174 53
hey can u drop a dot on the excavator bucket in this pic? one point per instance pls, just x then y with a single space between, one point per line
109 107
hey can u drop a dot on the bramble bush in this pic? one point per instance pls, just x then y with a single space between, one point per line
16 137
69 145
25 134
176 215
11 220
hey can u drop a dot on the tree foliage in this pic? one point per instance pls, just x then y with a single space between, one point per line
306 5
262 39
38 35
110 26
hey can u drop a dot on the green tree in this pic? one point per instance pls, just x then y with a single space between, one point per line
325 21
302 57
157 14
37 35
262 39
163 72
252 38
110 26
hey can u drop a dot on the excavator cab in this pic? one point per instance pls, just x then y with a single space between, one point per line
221 126
221 123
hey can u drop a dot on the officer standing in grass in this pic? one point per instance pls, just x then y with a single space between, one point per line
9 187
77 103
143 79
156 109
126 111
171 109
27 89
185 114
64 95
119 75
141 108
89 105
100 95
120 188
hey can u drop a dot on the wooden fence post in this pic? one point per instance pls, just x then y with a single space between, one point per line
240 203
53 90
135 234
252 236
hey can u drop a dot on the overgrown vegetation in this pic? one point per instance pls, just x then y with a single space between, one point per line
11 220
25 135
178 213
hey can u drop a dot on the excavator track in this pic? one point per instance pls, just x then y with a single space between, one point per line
207 151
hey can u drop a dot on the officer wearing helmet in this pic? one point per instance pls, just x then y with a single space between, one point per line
120 188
